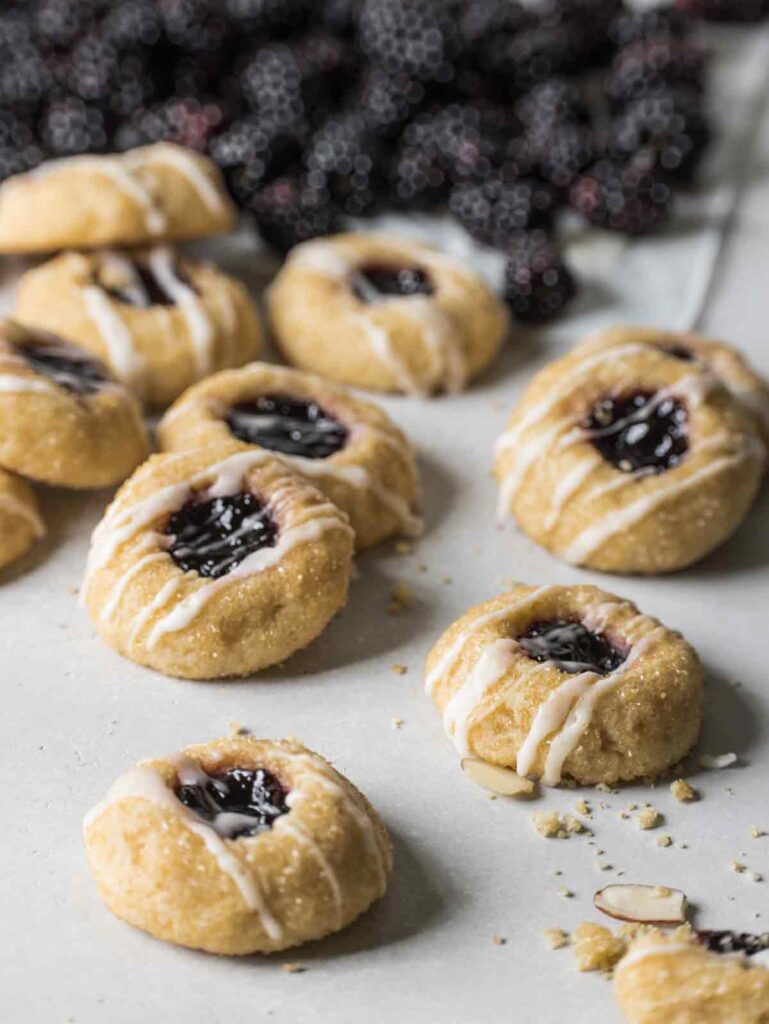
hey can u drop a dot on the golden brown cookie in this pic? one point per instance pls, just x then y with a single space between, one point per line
237 846
154 193
216 563
20 521
348 448
671 979
63 419
723 361
626 459
382 312
557 681
159 321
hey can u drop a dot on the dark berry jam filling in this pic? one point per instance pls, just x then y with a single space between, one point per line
375 282
641 431
734 942
238 802
680 352
65 365
291 426
144 289
213 537
571 647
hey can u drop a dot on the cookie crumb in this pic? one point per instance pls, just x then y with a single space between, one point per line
565 892
648 817
573 825
737 866
401 597
403 547
548 824
556 938
602 787
398 722
756 832
421 567
399 670
582 807
756 876
664 840
498 940
446 580
596 948
683 792
293 968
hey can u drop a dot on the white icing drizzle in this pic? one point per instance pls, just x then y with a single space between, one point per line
449 658
662 949
128 365
381 345
567 488
284 824
161 264
594 536
16 507
526 455
186 164
169 589
10 383
112 603
144 783
550 717
495 661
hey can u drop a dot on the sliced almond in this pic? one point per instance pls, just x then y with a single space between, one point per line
502 781
643 904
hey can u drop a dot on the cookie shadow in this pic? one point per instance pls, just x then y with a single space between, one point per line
731 719
438 489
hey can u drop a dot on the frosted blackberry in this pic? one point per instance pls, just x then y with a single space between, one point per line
727 10
621 198
131 23
538 284
343 158
667 131
387 101
272 83
25 79
493 211
630 26
195 26
654 65
251 152
268 17
562 152
69 127
529 57
415 37
554 102
183 120
289 211
58 23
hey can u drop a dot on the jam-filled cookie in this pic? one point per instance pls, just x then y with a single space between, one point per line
153 193
386 313
349 448
673 979
557 681
625 459
64 420
723 361
20 520
215 563
159 321
237 846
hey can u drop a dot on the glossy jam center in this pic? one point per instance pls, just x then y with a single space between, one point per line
143 289
375 282
571 647
238 802
734 942
213 537
65 365
288 425
680 352
641 431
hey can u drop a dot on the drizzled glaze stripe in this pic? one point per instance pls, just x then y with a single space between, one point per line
495 661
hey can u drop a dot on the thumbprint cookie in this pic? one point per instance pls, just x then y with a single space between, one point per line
20 521
64 420
237 846
625 459
159 321
723 361
386 313
154 193
572 682
216 563
348 448
675 979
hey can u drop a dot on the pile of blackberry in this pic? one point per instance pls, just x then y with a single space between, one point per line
317 110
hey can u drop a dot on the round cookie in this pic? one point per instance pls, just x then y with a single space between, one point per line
723 361
216 563
159 321
237 846
382 312
574 682
348 448
154 193
672 979
63 419
20 521
624 459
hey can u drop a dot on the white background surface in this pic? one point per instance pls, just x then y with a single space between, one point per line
75 715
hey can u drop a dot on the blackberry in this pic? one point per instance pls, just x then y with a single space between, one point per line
131 23
69 126
134 88
654 65
588 22
621 198
91 69
667 132
563 152
19 150
251 151
15 28
529 57
289 211
538 284
726 10
343 158
272 82
328 66
550 103
195 26
269 18
632 26
185 120
482 20
340 17
386 102
24 77
414 37
494 211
